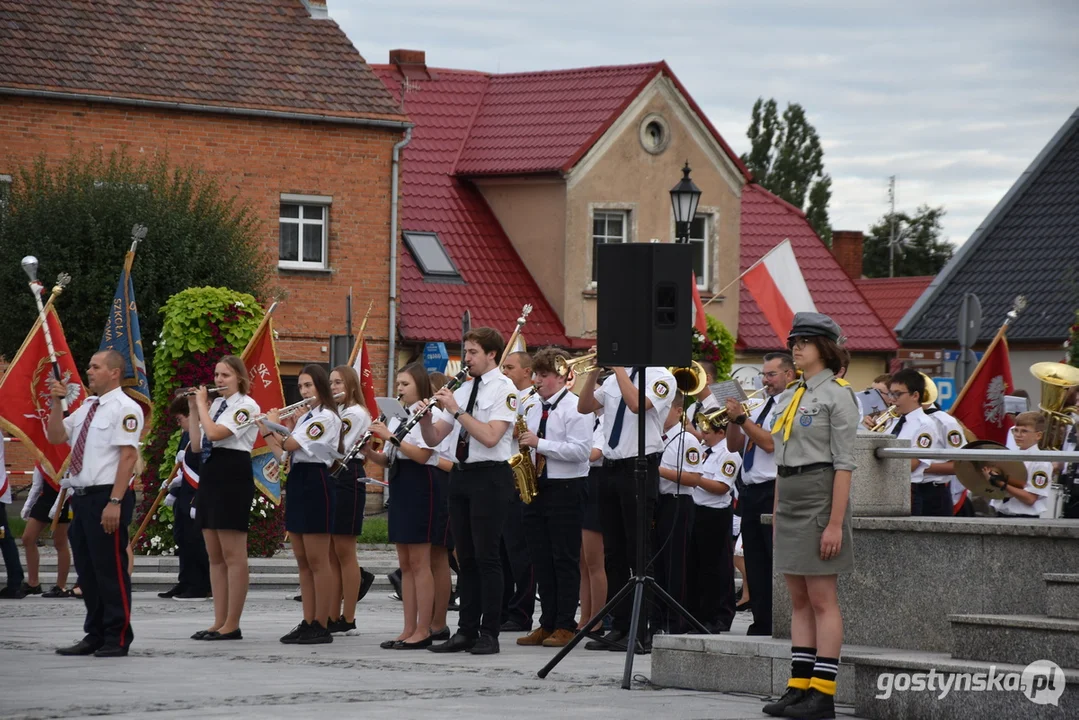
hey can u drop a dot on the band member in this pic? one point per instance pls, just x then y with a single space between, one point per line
104 437
1033 500
881 383
618 401
815 435
930 493
36 512
13 589
952 432
751 434
518 575
679 474
704 400
416 493
482 412
711 555
442 557
560 439
224 436
593 575
312 445
345 572
193 581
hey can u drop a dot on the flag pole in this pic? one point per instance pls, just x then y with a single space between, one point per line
153 508
744 273
356 346
1017 307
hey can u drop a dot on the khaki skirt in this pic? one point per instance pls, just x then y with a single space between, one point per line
805 505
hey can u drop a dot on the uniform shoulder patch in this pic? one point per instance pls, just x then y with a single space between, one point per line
346 426
241 416
693 456
841 382
511 401
316 430
661 388
924 440
955 438
130 423
729 468
1040 479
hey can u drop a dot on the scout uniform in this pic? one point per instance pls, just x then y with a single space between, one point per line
1039 477
312 493
226 483
711 555
674 521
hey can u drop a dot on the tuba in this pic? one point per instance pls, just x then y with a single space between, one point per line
525 472
689 380
1057 380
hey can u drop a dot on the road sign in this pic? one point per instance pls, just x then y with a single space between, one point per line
435 356
970 320
920 356
945 392
953 356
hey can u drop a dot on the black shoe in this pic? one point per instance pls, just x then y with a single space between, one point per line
742 607
234 635
56 592
514 626
420 645
109 651
614 636
457 643
298 598
442 635
315 635
82 647
191 596
814 706
792 696
10 593
395 580
455 602
31 589
644 647
171 592
389 644
201 634
293 635
366 581
341 626
485 645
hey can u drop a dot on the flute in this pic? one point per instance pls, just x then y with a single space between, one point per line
287 411
188 392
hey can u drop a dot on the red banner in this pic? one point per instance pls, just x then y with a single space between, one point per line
25 399
980 405
367 381
700 320
260 358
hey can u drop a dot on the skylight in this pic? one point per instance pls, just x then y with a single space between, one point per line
431 257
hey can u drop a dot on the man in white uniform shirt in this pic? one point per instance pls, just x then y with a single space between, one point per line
617 400
930 494
104 436
482 412
1031 501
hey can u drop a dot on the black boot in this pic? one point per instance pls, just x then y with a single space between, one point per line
792 696
814 706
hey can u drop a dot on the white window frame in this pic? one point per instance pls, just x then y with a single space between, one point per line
628 213
704 282
323 201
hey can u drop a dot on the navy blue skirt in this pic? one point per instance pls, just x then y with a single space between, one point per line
226 491
590 500
310 499
351 500
414 501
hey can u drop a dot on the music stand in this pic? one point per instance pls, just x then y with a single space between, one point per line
638 581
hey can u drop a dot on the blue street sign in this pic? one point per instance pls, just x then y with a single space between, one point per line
435 357
953 356
945 392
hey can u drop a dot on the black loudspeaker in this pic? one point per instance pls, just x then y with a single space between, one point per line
644 304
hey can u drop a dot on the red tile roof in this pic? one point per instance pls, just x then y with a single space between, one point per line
251 54
891 298
767 221
497 283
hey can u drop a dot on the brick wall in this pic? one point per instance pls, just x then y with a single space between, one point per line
847 248
256 159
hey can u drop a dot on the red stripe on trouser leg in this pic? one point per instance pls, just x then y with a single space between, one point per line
123 590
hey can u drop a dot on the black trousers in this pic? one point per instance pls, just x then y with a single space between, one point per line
552 526
756 500
101 561
711 568
927 500
191 547
618 504
674 520
10 550
479 499
518 576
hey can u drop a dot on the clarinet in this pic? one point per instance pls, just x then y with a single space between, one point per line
455 382
353 452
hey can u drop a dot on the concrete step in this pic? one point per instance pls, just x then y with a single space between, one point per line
1019 639
159 581
256 566
898 685
1062 595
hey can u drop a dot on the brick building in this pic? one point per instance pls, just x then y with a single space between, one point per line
269 96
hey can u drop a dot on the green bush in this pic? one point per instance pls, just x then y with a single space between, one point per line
718 347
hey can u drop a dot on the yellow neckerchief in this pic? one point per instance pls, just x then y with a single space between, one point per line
786 420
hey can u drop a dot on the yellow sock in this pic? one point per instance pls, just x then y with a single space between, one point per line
799 683
825 686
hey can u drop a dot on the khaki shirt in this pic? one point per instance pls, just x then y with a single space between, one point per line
825 425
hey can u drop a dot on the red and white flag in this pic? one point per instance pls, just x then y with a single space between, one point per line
361 363
260 359
777 285
700 320
980 404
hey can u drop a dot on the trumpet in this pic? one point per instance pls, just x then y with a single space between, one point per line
564 367
287 411
188 392
884 418
718 418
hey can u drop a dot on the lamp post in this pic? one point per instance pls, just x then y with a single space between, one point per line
684 198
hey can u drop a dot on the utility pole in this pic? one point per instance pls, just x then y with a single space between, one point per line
891 217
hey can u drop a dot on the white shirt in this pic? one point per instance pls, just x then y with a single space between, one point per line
527 398
414 437
495 400
697 406
682 452
318 433
659 389
598 440
1039 479
238 410
568 437
924 434
952 433
354 423
117 424
722 466
764 463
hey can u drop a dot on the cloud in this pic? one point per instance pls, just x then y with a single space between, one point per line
955 98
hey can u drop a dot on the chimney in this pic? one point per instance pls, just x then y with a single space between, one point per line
847 248
317 9
410 63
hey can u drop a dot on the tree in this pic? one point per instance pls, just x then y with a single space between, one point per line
786 158
921 250
76 216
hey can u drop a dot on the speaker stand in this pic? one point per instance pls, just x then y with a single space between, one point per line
639 581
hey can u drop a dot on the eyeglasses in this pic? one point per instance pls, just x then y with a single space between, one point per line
770 375
798 342
900 393
1022 431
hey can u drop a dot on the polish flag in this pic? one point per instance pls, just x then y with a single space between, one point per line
700 321
776 284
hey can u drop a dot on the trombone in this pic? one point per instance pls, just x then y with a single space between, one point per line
564 367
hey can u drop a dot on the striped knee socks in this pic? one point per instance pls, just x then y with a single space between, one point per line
824 672
802 660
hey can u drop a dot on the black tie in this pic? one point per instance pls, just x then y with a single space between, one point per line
462 438
747 461
899 426
619 417
708 452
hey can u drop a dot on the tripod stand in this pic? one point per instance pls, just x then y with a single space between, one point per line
639 580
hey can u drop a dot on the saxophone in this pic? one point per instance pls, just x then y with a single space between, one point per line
525 473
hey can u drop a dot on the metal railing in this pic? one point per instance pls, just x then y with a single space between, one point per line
980 455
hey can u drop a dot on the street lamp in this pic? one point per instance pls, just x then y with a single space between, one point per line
684 198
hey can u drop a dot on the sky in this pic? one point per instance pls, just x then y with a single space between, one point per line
955 99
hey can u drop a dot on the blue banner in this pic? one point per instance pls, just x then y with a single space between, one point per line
267 472
122 334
